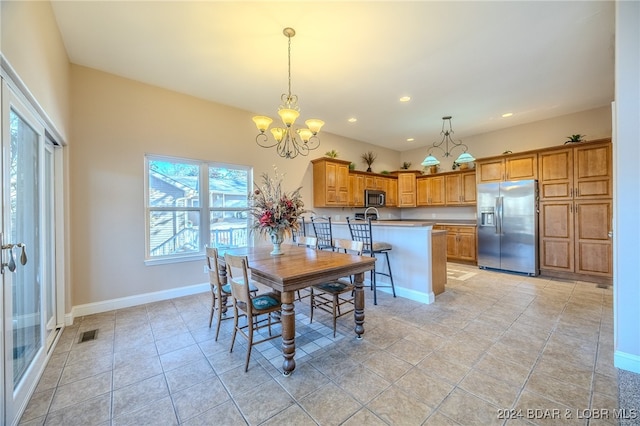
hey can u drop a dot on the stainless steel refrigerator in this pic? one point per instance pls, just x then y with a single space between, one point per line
508 226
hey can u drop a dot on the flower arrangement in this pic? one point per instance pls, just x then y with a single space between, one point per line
274 209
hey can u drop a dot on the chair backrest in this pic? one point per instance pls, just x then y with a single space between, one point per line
307 241
322 229
301 231
360 230
212 265
238 277
348 246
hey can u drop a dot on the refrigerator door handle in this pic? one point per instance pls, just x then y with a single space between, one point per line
497 216
500 213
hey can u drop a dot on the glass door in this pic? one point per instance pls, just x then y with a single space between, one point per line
22 261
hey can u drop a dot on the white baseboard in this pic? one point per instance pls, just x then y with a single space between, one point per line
626 361
414 295
139 299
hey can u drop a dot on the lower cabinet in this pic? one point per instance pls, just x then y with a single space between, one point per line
438 261
461 242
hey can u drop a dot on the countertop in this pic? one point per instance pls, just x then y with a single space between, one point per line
415 222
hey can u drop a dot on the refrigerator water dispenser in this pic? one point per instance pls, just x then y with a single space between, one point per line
487 217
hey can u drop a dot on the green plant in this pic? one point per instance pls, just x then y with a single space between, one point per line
575 138
332 154
385 172
369 157
352 166
406 165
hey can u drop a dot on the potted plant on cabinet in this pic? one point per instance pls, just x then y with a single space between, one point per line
575 139
369 157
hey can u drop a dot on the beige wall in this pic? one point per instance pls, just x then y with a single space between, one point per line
594 123
32 44
115 123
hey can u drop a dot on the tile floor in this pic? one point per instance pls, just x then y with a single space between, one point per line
495 348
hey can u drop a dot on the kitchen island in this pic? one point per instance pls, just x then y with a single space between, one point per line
410 258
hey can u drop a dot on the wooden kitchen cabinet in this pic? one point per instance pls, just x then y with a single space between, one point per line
392 192
356 190
430 191
460 188
576 211
360 181
407 188
578 172
508 167
330 182
574 237
461 243
438 261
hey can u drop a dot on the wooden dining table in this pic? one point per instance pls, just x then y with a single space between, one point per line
298 268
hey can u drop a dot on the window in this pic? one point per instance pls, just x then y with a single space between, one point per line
190 204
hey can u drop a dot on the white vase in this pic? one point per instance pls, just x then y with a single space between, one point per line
277 236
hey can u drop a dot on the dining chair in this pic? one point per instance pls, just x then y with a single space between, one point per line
250 307
312 243
332 296
360 230
322 230
220 294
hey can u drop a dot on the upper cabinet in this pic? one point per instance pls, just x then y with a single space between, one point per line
430 190
507 167
356 190
578 172
330 182
407 188
460 188
392 192
334 185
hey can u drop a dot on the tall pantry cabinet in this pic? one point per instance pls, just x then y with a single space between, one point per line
575 188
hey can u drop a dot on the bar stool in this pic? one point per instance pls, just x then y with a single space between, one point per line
301 231
322 229
360 230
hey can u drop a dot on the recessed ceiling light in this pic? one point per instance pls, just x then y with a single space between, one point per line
507 114
410 139
352 120
405 99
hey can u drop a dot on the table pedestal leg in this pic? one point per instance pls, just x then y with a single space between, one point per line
288 318
358 313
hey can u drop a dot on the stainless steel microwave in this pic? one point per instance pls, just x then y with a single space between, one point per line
374 198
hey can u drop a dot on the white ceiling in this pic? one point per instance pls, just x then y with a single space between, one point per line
472 60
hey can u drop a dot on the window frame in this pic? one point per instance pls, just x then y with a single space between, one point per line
204 209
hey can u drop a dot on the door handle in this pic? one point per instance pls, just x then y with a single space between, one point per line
11 264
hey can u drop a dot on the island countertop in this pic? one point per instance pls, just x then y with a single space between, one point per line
416 222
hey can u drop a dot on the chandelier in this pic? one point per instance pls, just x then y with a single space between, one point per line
464 157
286 138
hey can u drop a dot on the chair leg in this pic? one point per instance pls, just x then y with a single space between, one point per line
312 304
373 283
235 328
213 308
219 322
249 346
335 303
393 288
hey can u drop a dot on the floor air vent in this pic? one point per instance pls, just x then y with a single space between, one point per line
88 335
